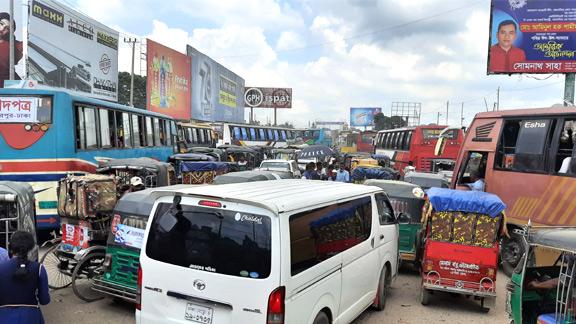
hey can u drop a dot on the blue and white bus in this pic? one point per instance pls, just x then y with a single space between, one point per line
45 135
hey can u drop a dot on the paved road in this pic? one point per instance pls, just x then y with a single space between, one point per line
403 307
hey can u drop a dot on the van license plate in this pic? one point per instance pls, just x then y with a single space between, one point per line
199 314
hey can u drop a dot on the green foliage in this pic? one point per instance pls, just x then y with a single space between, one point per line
384 122
139 90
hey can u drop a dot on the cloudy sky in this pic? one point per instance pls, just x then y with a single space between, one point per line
337 54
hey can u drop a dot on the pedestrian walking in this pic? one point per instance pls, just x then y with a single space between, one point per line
23 284
342 175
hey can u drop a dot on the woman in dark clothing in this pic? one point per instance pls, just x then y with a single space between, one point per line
23 284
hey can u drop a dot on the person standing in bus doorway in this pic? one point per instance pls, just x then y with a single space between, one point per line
476 183
504 54
23 284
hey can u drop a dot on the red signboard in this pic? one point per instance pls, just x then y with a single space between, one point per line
168 83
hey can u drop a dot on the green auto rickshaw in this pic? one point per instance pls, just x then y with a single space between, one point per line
542 287
408 199
120 274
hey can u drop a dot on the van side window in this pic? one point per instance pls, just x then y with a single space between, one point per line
385 212
319 234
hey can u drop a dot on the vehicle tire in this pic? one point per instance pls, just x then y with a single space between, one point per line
511 252
59 270
424 296
88 268
483 309
321 318
382 292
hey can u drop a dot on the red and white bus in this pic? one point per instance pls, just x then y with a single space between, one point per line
527 158
417 144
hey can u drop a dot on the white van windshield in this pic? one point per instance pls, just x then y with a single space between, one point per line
213 240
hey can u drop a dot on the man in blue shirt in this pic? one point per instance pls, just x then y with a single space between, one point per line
477 184
342 175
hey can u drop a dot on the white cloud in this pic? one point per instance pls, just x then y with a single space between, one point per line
289 40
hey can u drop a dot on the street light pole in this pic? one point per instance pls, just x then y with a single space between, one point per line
11 59
132 41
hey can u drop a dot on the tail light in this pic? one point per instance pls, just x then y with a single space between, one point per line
139 290
276 306
490 272
107 262
428 265
487 285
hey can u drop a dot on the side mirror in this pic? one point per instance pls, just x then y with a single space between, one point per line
440 144
403 219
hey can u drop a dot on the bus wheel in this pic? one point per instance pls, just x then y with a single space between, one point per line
512 251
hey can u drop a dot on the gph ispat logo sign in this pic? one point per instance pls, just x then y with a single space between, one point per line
105 64
268 97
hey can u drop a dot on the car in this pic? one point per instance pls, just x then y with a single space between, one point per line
281 165
267 252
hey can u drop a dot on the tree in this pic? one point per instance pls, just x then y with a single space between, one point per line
139 90
384 122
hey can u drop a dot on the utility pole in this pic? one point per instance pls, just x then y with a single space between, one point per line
498 99
447 105
462 116
438 118
11 45
569 89
132 41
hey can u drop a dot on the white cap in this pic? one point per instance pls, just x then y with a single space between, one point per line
135 181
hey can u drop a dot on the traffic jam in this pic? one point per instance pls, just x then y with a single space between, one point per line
165 197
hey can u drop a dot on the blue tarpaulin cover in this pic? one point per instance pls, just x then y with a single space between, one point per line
465 201
186 166
361 173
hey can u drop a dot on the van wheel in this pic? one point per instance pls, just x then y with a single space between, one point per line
424 296
382 293
321 318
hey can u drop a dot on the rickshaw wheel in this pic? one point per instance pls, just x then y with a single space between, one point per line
424 296
59 274
88 268
482 308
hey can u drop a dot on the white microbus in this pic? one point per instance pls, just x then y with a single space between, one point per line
284 251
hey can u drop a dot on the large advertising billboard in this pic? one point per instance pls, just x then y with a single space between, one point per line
69 50
363 116
268 97
17 28
217 93
536 36
168 81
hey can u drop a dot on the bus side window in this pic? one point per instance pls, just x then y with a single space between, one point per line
106 127
564 160
532 145
475 162
262 134
408 140
507 145
149 132
252 133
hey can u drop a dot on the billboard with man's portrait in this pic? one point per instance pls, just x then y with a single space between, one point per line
67 49
217 92
535 36
168 81
17 29
363 116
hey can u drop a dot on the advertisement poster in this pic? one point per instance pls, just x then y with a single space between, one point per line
363 116
217 93
69 50
268 97
17 28
536 36
129 236
168 81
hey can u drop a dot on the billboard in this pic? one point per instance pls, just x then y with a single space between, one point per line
168 81
5 44
217 93
268 97
536 36
69 50
363 116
